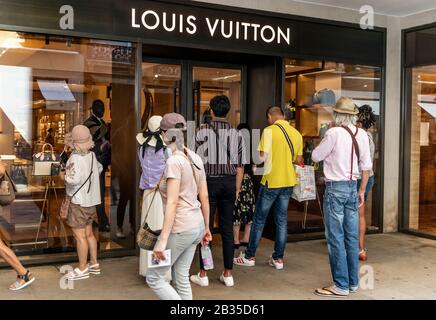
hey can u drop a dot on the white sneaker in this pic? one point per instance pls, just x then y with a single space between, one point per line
278 264
228 281
119 234
201 281
242 261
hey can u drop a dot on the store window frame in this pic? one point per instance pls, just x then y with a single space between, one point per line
41 258
293 237
187 66
405 134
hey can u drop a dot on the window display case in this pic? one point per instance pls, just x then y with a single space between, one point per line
312 89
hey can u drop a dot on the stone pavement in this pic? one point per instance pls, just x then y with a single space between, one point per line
404 267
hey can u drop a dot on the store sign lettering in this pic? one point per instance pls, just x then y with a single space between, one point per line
227 29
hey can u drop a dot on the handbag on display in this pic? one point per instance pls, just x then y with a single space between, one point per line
42 161
324 97
18 175
65 206
7 190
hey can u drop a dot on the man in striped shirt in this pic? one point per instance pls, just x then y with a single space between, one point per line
221 148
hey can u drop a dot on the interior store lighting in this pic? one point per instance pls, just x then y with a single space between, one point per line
225 77
317 72
360 78
426 82
15 41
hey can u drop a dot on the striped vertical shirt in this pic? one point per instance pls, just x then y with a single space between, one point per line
223 154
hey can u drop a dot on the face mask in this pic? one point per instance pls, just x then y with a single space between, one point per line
168 152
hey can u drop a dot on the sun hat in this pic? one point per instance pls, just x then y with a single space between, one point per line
346 105
80 138
173 121
153 129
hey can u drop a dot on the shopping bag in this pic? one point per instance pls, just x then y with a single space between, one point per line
305 189
43 161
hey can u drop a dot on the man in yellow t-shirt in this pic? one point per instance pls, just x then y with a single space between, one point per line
280 147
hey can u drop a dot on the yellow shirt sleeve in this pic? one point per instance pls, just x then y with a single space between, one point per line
300 144
265 141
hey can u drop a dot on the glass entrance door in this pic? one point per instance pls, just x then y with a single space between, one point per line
209 82
161 86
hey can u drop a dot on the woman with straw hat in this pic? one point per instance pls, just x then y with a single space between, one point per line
82 184
152 156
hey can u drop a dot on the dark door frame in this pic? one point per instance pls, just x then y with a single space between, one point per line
187 87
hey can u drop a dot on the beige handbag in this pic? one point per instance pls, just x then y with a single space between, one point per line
146 237
7 190
44 161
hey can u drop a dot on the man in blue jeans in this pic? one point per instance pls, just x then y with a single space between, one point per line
280 146
344 150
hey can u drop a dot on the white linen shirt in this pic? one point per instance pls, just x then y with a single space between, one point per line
335 150
77 171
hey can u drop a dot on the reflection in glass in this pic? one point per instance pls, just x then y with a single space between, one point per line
209 82
47 86
160 90
311 90
422 198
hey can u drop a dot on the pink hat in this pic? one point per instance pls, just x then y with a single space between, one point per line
80 138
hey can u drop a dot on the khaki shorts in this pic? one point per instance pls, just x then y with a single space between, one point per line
80 217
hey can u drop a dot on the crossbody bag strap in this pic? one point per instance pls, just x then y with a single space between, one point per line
291 146
354 148
156 189
87 179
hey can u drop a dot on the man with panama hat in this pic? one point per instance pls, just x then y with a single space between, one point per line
345 153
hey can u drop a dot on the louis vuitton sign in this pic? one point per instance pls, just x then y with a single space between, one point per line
191 24
170 22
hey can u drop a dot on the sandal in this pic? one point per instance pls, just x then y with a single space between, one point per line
77 274
329 292
22 281
94 269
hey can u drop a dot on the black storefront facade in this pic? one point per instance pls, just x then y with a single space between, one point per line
153 57
418 137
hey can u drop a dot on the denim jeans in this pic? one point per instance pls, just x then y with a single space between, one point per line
183 246
278 199
342 232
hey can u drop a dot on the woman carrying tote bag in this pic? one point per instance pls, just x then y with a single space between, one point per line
24 277
152 158
186 220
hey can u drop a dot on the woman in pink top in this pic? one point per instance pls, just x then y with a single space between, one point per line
186 220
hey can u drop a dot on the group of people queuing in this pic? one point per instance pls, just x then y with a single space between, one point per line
224 186
183 188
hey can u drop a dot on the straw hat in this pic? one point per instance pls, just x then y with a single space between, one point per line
346 105
80 138
153 125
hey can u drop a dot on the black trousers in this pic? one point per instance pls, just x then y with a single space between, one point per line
101 212
222 196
